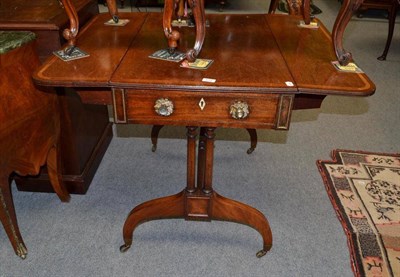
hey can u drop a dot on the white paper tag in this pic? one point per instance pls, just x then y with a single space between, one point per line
209 80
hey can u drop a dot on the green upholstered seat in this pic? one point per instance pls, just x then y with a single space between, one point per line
10 40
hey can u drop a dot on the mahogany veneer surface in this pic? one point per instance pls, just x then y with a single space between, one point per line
308 54
85 129
246 57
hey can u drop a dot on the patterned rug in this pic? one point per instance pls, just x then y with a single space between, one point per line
365 191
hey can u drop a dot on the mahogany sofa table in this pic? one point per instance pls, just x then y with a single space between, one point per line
264 66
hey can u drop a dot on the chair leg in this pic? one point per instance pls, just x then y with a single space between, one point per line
253 140
154 136
9 219
273 5
222 5
392 19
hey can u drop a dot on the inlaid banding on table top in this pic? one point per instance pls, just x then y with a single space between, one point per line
106 46
250 61
301 56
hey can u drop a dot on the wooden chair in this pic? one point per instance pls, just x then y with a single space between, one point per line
296 7
29 129
392 6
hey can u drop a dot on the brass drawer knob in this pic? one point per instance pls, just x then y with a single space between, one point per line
164 107
239 110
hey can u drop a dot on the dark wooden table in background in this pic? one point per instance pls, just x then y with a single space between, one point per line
264 63
392 7
85 129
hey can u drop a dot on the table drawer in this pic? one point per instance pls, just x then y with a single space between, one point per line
234 110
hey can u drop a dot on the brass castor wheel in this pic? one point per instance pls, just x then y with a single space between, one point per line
154 148
124 248
264 251
115 18
21 251
261 253
250 150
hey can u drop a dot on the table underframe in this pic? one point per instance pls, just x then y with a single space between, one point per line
198 201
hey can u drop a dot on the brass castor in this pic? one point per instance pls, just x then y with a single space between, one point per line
261 253
264 251
124 248
250 150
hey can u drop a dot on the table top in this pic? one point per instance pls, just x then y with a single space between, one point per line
251 53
